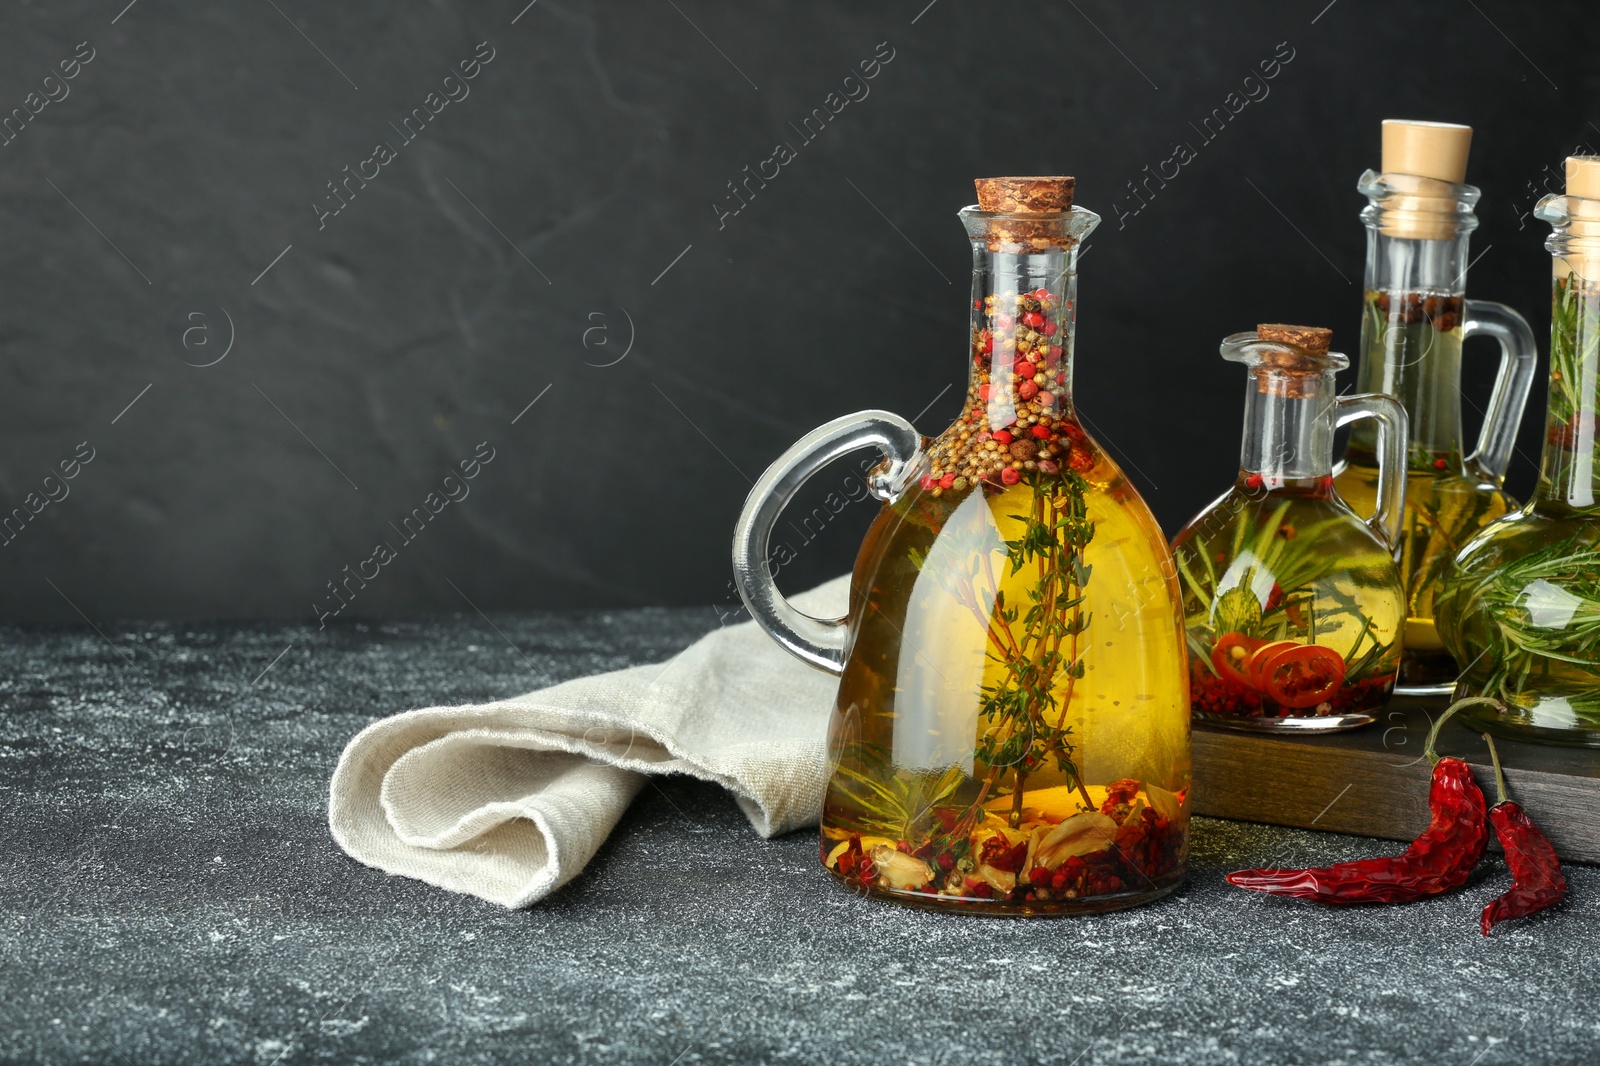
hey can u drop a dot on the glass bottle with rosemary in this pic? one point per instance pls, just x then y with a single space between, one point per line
1414 319
1011 734
1293 605
1521 608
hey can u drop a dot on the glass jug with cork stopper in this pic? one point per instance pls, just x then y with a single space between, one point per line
1293 605
1520 610
1414 319
1011 732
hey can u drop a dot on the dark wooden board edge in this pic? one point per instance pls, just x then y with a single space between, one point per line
1374 781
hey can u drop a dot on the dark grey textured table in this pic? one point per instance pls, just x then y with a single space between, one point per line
169 892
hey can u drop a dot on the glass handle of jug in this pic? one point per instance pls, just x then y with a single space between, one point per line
818 641
1519 357
1393 438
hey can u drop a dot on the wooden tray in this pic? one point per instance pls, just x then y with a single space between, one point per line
1374 781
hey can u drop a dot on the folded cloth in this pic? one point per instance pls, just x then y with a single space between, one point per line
510 800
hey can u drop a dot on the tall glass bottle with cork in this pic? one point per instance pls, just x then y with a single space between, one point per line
1414 318
1521 608
1011 733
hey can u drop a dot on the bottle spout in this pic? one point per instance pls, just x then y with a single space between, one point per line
1028 215
1420 191
1277 349
1289 402
1575 217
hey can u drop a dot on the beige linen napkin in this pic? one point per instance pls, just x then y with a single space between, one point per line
510 800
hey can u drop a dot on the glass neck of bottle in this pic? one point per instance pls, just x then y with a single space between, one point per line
1413 305
1288 427
1023 321
1569 469
1411 264
1411 337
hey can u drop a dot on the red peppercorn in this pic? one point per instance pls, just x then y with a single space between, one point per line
1253 481
1002 436
1048 329
983 390
1041 293
1055 351
1048 466
926 482
947 481
1004 322
1025 369
988 344
1027 390
1042 432
1010 475
1047 399
1439 464
1033 320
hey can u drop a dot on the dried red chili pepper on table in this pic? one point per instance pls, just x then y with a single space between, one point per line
1439 860
1536 881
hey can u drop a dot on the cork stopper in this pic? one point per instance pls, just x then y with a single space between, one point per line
1025 196
1578 239
1583 176
1028 216
1424 166
1435 150
1313 339
1296 372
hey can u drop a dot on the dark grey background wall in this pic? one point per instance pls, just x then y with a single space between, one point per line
555 236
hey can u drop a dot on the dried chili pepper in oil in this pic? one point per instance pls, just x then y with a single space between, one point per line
1536 881
1439 860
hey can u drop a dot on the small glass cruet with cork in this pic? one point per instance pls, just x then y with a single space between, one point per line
1293 604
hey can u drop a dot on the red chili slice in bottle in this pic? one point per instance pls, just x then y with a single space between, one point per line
1256 670
1231 656
1303 676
